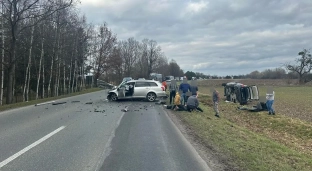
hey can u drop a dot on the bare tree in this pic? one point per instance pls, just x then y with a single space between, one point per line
153 53
39 70
129 50
161 65
303 66
142 62
107 42
27 76
174 69
21 10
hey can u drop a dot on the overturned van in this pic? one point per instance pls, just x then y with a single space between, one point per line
240 93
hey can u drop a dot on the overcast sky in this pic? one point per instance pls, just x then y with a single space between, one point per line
215 37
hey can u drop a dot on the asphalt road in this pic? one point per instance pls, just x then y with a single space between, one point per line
99 136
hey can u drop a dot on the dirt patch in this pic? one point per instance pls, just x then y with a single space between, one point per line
210 154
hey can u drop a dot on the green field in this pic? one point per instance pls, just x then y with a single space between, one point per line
256 140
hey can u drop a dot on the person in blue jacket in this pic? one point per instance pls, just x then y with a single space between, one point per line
184 88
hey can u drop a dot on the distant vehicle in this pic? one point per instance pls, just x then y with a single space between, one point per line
141 78
168 80
126 79
238 92
138 89
156 77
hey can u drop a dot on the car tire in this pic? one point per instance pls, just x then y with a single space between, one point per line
151 97
113 97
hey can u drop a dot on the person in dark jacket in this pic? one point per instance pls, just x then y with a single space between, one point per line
184 87
173 88
192 103
194 88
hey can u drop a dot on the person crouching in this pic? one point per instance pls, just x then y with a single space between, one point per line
192 103
176 102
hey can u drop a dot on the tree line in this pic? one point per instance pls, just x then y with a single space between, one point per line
300 70
277 73
47 48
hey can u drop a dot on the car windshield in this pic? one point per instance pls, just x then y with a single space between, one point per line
126 79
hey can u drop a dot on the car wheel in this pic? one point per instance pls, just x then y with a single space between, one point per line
113 97
151 97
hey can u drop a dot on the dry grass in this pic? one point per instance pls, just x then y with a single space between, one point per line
280 142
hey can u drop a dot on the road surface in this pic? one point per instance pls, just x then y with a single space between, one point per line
80 135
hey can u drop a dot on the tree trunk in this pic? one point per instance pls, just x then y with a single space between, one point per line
75 66
83 77
64 78
11 73
70 74
74 77
58 77
43 76
39 73
28 81
301 79
50 79
27 77
57 74
2 60
80 82
12 54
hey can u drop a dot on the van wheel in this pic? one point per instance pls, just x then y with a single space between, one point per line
151 97
113 97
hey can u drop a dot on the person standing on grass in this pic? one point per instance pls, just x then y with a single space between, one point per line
270 101
173 88
216 100
194 88
184 87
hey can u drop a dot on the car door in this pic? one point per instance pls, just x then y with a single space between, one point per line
121 90
141 89
254 92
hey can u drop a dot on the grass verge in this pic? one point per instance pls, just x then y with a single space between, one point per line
247 149
33 102
255 140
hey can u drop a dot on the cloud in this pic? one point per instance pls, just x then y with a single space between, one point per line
195 7
215 36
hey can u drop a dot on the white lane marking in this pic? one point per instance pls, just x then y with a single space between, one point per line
8 160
